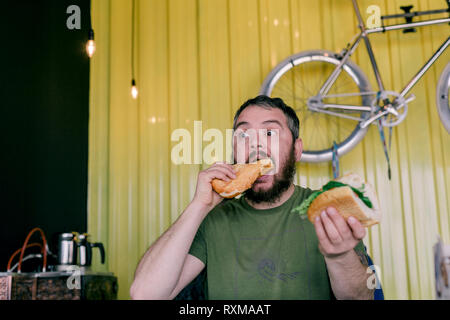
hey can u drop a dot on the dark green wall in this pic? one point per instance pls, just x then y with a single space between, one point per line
44 110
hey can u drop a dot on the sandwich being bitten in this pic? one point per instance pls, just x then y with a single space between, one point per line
349 195
246 175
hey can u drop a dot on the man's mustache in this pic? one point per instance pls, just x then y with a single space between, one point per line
255 155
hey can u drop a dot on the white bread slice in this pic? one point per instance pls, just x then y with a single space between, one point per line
354 180
347 203
246 175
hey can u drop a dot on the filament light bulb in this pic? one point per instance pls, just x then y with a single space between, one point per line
134 90
90 46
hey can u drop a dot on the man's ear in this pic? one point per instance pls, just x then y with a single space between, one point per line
298 149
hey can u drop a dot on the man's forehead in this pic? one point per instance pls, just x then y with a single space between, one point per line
258 115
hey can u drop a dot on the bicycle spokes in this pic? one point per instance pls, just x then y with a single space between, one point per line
298 88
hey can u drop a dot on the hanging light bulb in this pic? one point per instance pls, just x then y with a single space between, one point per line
134 90
90 46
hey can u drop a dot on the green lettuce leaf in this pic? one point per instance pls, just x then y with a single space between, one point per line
359 192
302 209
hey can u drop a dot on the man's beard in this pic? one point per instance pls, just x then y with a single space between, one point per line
280 184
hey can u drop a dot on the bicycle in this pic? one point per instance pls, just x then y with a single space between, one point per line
327 90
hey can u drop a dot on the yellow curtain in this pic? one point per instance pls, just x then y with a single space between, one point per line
200 60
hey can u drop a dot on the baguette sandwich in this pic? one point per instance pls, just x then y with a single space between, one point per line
246 175
350 195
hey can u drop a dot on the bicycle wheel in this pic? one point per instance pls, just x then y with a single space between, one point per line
442 101
298 78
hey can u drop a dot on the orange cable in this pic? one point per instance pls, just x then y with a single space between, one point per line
44 251
34 244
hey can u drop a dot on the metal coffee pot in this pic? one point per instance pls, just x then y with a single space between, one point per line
85 250
67 249
75 249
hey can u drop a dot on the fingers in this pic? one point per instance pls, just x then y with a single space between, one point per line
335 235
321 233
330 228
227 169
220 171
217 174
358 231
340 224
337 229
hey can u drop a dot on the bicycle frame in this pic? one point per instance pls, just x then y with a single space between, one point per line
363 35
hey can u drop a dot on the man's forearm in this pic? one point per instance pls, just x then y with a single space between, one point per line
159 269
348 277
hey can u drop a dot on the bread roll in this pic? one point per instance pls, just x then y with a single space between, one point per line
246 175
347 203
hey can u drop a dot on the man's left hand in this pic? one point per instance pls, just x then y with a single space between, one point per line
337 236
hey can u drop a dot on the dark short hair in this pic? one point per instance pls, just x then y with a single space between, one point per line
267 102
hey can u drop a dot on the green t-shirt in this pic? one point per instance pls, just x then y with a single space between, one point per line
261 254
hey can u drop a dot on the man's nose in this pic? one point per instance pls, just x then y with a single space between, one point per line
255 144
257 140
258 148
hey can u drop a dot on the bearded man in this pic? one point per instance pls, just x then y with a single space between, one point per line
254 247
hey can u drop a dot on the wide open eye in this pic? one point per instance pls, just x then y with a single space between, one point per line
242 134
271 133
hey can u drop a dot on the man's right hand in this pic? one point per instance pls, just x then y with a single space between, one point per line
204 193
166 268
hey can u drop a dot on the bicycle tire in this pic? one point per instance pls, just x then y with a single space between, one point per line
442 97
325 60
